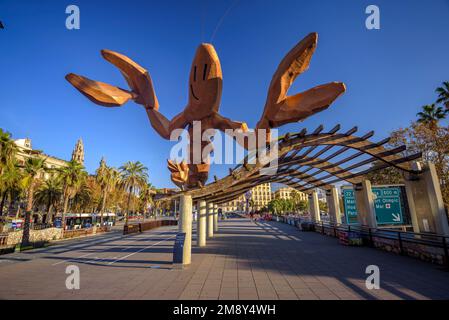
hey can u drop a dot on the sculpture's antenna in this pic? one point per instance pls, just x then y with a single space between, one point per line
203 19
222 19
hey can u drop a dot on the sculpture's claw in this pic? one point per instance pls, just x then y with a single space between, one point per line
303 105
294 63
179 172
99 92
281 109
137 77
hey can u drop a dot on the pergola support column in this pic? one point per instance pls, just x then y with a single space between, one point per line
201 224
185 226
210 219
366 213
314 207
215 218
425 200
333 204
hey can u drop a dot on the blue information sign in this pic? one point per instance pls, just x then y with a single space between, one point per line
178 248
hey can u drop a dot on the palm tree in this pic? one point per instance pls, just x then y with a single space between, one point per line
8 149
431 115
49 194
72 177
32 170
87 196
134 175
443 94
107 178
146 196
9 182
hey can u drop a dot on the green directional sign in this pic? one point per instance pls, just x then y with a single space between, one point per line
387 203
350 206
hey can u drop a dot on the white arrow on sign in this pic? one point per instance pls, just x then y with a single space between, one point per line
396 217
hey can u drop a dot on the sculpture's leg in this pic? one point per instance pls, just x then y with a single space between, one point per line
198 174
198 165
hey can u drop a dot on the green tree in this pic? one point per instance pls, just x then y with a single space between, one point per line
323 206
431 142
134 175
431 114
49 195
389 175
8 149
146 197
34 167
10 182
87 196
443 94
72 177
107 178
302 205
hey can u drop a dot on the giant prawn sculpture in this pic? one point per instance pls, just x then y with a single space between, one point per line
205 88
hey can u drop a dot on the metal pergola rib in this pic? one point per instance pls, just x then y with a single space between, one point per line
300 169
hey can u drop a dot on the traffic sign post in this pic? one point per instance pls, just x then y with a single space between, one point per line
178 248
350 206
387 202
388 205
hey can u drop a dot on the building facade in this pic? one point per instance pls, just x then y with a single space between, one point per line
25 151
237 204
286 193
259 197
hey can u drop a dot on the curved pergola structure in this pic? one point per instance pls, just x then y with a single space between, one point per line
307 161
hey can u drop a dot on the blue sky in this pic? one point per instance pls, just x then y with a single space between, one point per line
390 73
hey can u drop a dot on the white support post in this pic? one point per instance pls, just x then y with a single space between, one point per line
314 206
210 219
201 224
215 218
366 213
186 227
333 204
425 200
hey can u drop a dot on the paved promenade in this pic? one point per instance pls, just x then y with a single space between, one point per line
245 260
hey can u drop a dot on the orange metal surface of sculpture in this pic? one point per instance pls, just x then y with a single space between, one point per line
205 88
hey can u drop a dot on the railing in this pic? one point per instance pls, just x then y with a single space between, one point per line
102 229
85 231
426 246
403 242
68 234
144 226
40 226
